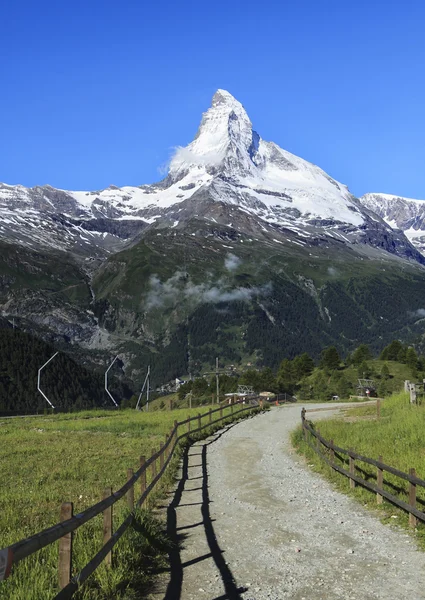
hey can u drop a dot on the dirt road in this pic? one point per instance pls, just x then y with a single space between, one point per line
253 522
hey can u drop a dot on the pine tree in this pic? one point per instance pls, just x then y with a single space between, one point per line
330 358
361 354
286 377
303 366
385 372
391 351
364 370
412 359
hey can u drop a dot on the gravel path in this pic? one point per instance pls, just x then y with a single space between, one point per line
254 523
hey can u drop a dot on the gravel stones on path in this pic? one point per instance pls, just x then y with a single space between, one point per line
254 523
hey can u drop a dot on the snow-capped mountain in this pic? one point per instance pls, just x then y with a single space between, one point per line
242 247
227 174
405 214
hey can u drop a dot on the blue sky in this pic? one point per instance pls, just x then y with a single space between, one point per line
98 93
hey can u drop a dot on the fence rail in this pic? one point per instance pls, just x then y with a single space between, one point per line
309 433
63 531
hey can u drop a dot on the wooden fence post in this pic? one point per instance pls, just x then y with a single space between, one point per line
153 465
352 471
161 459
199 420
221 412
412 498
379 482
188 425
107 526
65 547
176 432
378 408
142 476
210 415
331 451
303 424
231 408
130 493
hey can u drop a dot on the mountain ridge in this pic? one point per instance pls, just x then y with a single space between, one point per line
227 162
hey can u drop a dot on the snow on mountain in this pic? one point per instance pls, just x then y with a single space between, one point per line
226 165
243 169
405 214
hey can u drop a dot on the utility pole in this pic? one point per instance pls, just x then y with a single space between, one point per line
147 388
217 380
39 378
146 382
106 382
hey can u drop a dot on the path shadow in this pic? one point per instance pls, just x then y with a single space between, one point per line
174 588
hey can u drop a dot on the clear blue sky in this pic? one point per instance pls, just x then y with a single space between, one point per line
98 92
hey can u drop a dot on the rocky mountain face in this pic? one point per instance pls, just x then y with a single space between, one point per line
399 213
243 250
227 163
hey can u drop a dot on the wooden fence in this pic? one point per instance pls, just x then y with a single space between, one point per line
63 531
329 453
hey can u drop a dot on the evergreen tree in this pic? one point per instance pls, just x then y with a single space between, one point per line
285 377
364 370
200 387
320 387
268 380
251 378
383 388
361 354
412 359
303 366
343 387
330 358
402 353
385 372
391 351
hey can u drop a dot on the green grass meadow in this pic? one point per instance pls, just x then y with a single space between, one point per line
72 458
397 436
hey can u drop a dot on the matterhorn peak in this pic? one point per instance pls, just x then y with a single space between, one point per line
224 97
224 139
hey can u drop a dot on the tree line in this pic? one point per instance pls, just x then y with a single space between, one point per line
332 375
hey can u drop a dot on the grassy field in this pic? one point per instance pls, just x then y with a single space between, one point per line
397 436
73 457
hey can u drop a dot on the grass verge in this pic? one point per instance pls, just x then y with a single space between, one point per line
396 436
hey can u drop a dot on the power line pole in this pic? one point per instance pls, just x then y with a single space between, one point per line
145 383
147 388
106 382
39 379
217 380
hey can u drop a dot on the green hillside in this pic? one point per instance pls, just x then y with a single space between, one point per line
67 384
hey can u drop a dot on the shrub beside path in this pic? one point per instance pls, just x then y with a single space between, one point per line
252 522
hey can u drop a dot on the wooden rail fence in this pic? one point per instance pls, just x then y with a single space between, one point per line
63 531
333 451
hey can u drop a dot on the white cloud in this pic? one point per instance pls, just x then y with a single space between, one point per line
178 287
232 262
185 156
